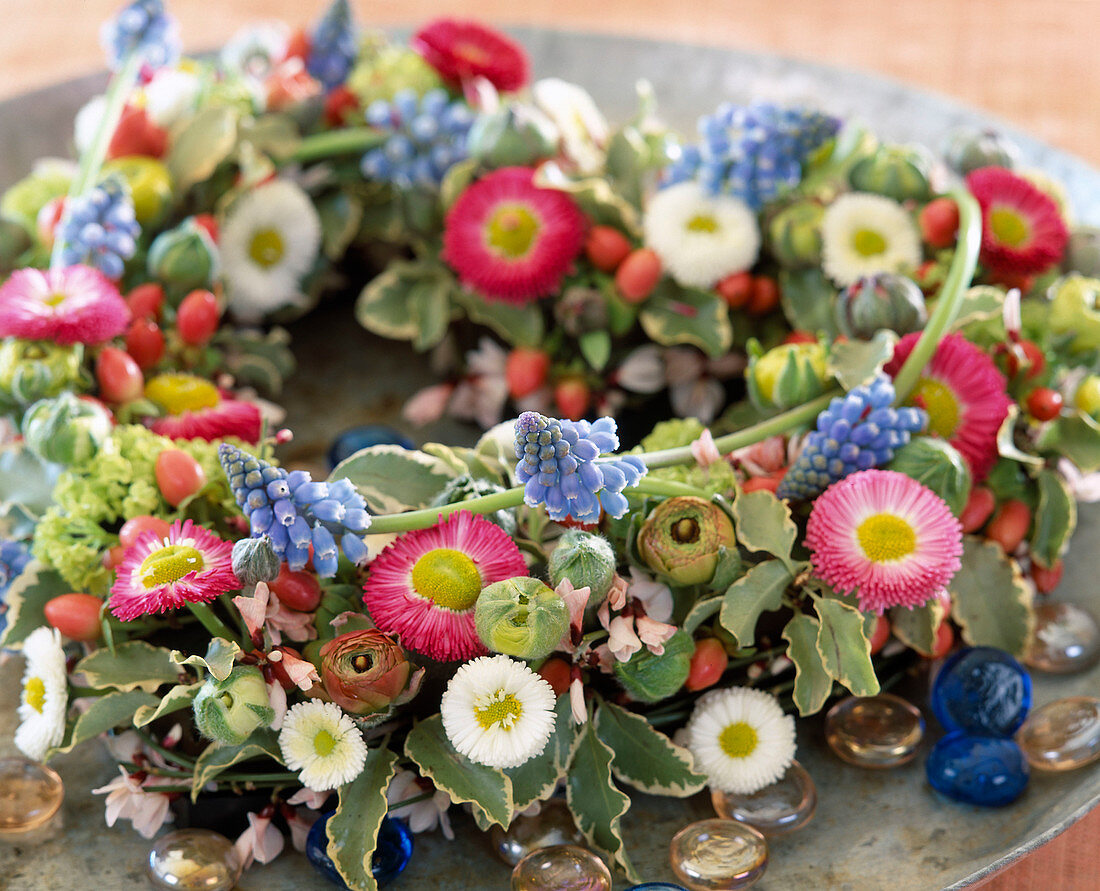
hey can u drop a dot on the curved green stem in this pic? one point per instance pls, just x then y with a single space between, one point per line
211 622
429 516
333 143
952 293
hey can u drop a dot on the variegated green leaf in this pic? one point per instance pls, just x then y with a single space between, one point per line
353 829
674 315
758 591
844 647
916 627
855 362
217 758
536 778
1055 519
812 683
179 697
221 654
764 524
133 665
990 599
394 479
644 757
26 599
105 713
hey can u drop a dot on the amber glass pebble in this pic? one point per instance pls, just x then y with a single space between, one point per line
193 860
30 795
552 825
874 731
1062 735
718 855
561 868
1066 640
782 807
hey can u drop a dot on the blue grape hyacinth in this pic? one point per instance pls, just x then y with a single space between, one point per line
333 46
296 512
427 136
857 431
144 27
752 152
558 467
99 229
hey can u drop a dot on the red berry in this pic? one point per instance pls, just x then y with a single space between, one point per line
1044 404
606 247
75 615
145 342
767 483
526 370
557 673
113 556
735 289
297 589
340 104
1032 361
880 635
800 337
146 300
939 221
638 275
208 222
979 508
1011 279
119 376
1009 525
179 476
708 662
197 319
135 526
945 640
136 134
765 296
572 396
1047 578
298 45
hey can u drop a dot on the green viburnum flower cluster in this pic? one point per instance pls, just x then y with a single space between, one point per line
95 496
718 479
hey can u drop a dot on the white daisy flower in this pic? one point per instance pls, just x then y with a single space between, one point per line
171 95
583 128
498 712
269 242
45 697
740 739
701 238
323 743
863 234
256 49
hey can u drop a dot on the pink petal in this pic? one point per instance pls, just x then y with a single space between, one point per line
653 633
576 702
704 451
622 641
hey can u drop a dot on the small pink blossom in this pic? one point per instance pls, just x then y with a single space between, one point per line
260 842
263 611
299 821
616 596
276 696
576 701
127 799
762 458
655 597
653 633
621 639
704 451
428 405
315 801
576 599
423 815
302 672
643 370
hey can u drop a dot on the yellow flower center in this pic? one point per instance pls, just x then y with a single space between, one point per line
55 299
323 743
448 578
34 694
266 248
868 242
169 564
886 537
1008 226
512 230
499 709
940 403
177 393
702 222
739 740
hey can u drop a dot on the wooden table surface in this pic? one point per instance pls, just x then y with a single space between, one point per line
1032 62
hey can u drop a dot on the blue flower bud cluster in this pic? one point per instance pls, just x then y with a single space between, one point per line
143 27
333 46
99 229
857 431
427 138
752 152
14 557
296 512
558 467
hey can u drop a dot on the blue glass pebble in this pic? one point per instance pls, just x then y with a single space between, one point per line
351 441
982 690
985 770
392 855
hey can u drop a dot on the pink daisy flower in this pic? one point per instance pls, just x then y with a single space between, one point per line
77 304
423 587
885 537
510 240
964 395
196 409
1022 229
461 51
190 565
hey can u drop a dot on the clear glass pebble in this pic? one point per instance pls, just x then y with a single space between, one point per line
561 868
784 806
983 691
552 825
1062 735
718 855
193 860
30 797
1067 639
874 731
657 886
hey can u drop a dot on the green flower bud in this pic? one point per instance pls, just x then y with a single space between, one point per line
587 560
23 201
795 234
230 711
650 678
185 256
1073 311
255 560
885 300
464 487
383 71
896 171
513 136
673 433
521 617
66 429
938 466
1083 251
365 672
969 149
681 537
36 369
786 375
